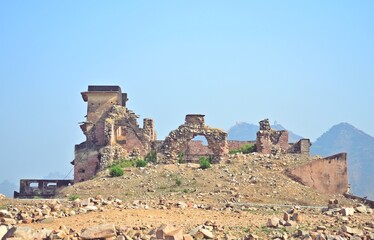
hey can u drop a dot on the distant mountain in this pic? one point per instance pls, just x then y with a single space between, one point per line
344 137
243 132
7 188
247 131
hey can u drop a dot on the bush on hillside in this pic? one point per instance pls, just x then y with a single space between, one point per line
115 171
140 163
204 162
245 149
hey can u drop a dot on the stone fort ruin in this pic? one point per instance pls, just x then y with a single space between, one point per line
112 132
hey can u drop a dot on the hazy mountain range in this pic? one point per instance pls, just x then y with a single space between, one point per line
342 137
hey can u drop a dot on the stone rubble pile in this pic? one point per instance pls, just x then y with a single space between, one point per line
109 231
341 228
291 225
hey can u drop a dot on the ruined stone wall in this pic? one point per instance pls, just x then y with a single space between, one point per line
269 141
176 141
86 164
45 188
112 132
301 147
327 175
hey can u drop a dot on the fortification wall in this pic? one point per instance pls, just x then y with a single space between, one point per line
327 175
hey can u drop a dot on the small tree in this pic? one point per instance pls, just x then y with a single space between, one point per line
115 171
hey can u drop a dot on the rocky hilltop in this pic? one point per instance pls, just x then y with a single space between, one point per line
247 197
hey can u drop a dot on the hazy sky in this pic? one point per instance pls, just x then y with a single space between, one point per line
306 64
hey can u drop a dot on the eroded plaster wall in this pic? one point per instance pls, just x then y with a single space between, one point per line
327 175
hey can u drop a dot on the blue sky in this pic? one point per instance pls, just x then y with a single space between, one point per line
306 64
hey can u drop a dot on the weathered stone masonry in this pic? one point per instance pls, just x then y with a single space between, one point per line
112 132
177 141
269 140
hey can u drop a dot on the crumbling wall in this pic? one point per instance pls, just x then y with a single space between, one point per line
86 163
194 125
269 140
30 188
301 147
327 175
112 132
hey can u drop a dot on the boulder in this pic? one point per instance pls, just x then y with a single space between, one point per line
5 213
286 216
176 234
361 208
3 231
347 211
99 231
352 231
90 208
273 222
207 234
187 237
22 232
8 221
296 217
163 230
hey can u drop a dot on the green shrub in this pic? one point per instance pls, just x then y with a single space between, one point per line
151 157
178 182
116 171
204 162
246 148
140 163
123 163
74 197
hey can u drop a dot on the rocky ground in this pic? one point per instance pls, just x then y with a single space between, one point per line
248 197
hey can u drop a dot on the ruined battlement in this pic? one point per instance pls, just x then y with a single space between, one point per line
112 132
